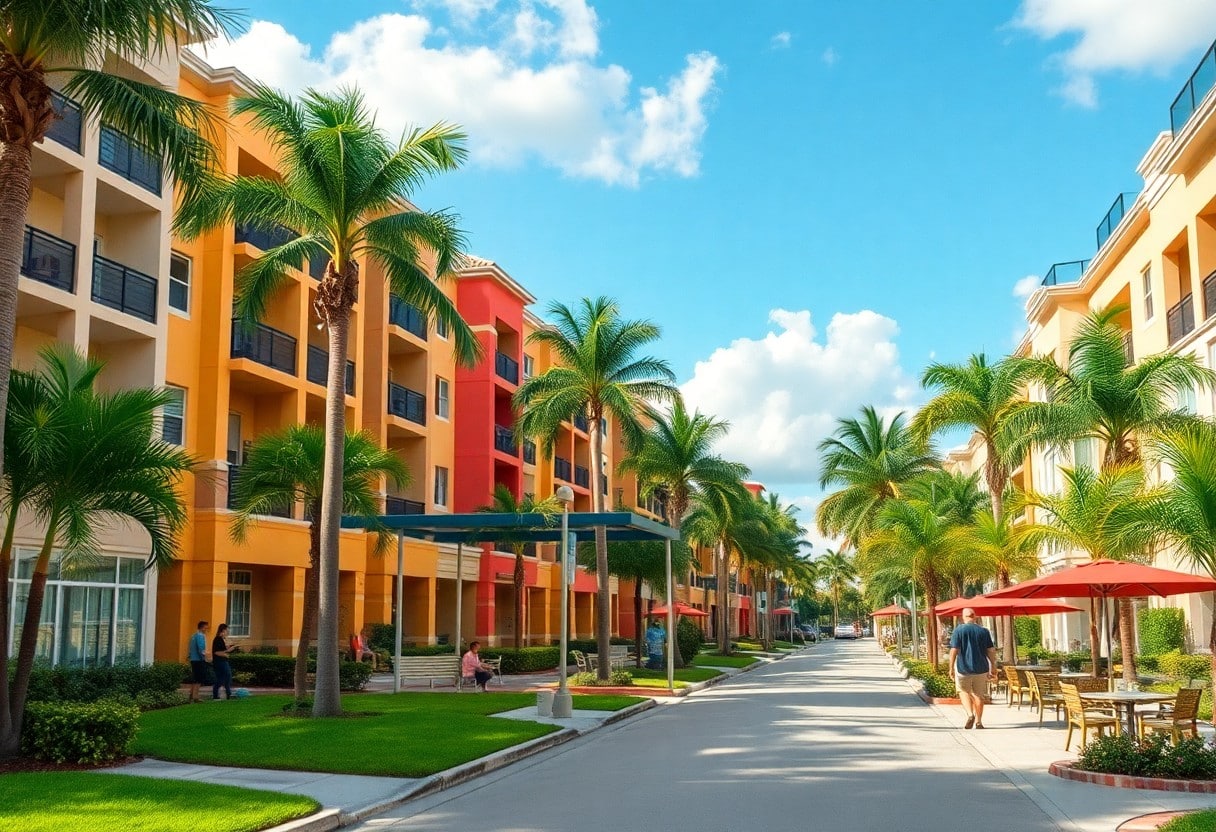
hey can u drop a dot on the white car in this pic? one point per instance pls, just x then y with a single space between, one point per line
845 631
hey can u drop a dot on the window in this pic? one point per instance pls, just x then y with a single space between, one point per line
1085 454
441 486
1212 366
179 282
1186 400
441 397
1146 281
173 417
240 601
529 366
1051 471
441 327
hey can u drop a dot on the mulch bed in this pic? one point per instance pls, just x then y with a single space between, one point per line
23 764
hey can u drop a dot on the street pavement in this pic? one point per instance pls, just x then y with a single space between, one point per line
828 739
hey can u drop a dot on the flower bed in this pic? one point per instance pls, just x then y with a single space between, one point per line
1152 763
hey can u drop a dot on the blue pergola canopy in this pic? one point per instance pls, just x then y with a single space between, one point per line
526 528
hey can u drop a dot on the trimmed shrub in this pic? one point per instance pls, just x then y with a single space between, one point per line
354 675
525 659
1181 666
279 671
1028 631
1194 758
1148 664
940 686
90 684
689 638
86 733
1162 630
380 636
618 679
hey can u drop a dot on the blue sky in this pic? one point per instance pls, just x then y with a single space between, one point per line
891 169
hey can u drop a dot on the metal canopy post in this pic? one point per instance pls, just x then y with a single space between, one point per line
397 623
459 593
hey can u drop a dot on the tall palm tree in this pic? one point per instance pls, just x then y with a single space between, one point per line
722 520
774 551
1007 552
597 373
870 461
504 502
67 43
676 459
287 466
82 459
837 570
1099 397
346 188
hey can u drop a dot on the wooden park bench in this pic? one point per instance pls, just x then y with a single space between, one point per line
444 668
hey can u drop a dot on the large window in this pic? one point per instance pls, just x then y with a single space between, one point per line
442 402
441 486
529 366
179 282
173 417
441 327
240 602
1146 282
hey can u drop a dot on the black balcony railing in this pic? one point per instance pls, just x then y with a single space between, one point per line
48 259
406 403
265 345
66 128
582 476
1061 273
1180 320
124 289
117 152
603 483
1196 89
1209 295
506 367
400 505
504 440
1129 352
234 474
562 469
264 238
1120 207
316 369
529 452
580 422
407 316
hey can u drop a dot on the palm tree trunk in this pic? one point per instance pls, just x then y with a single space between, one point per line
931 599
677 659
15 161
10 742
603 626
1212 636
311 579
997 478
327 700
723 601
637 620
1009 650
6 565
1095 645
1127 639
517 579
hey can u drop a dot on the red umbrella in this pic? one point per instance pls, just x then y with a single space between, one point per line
999 607
681 609
783 611
893 609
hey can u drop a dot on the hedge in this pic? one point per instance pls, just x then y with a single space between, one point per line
1162 630
280 671
525 659
1181 666
86 733
689 637
89 684
1028 631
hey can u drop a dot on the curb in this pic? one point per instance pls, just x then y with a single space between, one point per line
1151 821
322 821
1065 770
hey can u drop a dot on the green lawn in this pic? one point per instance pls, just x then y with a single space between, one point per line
684 674
82 801
718 660
410 735
1204 821
605 702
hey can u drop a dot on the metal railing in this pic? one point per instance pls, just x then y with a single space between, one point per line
1067 272
504 440
406 403
266 345
400 505
582 476
234 474
603 483
562 469
1180 320
1209 295
316 369
1129 352
124 289
264 238
67 128
1114 216
117 152
580 422
1194 91
529 452
48 259
407 316
506 367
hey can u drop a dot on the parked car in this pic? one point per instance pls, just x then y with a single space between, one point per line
811 632
845 631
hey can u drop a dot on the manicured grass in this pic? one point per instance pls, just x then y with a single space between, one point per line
605 702
1204 821
684 674
718 660
409 735
82 801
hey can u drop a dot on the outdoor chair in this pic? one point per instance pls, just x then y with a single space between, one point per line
1097 721
1015 687
495 665
1045 692
580 661
1094 685
1001 685
1183 719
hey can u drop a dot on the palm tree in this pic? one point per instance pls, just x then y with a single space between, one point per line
676 459
504 502
775 551
80 459
871 460
1006 552
836 569
45 42
1099 397
346 189
598 373
722 520
289 465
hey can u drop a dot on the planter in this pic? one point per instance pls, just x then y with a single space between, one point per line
938 700
1066 770
1149 823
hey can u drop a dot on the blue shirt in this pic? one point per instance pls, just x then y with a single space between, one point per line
973 643
198 648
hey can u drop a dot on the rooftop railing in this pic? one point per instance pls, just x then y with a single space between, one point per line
124 289
1067 272
48 259
1118 209
1194 91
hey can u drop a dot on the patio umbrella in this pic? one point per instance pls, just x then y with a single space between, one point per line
680 609
1000 607
893 609
783 611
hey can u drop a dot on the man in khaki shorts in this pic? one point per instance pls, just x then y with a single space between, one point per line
972 661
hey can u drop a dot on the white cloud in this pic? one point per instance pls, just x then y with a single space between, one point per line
784 392
829 56
781 40
523 82
1025 287
1110 35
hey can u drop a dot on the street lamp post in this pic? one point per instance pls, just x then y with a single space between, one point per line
563 704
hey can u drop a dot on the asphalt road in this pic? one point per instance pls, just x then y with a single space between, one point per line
825 740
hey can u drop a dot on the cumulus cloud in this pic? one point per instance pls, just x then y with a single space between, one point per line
784 392
523 81
781 40
1025 287
1111 35
829 56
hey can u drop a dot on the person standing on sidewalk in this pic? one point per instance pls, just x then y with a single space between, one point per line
219 661
197 653
973 661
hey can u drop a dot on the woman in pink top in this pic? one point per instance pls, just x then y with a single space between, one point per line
472 665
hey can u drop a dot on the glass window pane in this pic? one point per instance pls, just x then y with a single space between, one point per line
46 625
131 571
85 630
239 604
93 570
129 626
25 560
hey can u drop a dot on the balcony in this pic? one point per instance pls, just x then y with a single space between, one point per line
504 441
66 128
234 474
506 367
406 403
317 369
1180 320
1129 353
603 483
529 452
117 152
1209 295
582 476
1120 207
1068 272
48 259
407 316
264 238
580 422
124 289
265 345
561 469
400 505
1196 89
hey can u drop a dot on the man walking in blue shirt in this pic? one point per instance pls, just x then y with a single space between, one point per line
197 652
972 660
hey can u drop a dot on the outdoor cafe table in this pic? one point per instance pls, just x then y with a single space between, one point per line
1129 699
1074 674
1033 668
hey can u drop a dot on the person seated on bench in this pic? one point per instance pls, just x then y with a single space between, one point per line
359 649
472 665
